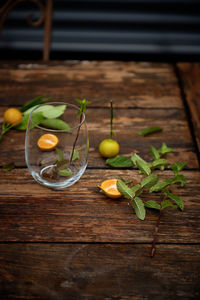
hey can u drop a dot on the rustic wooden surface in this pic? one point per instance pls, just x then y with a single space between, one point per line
76 243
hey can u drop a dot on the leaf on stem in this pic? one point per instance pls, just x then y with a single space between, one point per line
143 167
159 163
160 185
154 152
177 167
128 193
167 203
60 154
139 208
176 199
164 149
119 162
149 181
152 204
76 154
56 124
179 179
149 130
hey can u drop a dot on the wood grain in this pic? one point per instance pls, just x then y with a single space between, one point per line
190 75
86 271
128 84
80 213
127 125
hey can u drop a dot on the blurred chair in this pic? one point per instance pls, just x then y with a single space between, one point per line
45 18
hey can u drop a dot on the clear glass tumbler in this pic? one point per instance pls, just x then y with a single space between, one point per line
56 150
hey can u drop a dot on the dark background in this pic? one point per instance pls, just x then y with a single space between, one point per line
163 30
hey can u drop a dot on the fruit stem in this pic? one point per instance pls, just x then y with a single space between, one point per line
111 119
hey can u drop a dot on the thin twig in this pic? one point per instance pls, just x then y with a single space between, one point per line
153 248
74 145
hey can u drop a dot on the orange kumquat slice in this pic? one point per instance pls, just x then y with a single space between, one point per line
47 141
109 187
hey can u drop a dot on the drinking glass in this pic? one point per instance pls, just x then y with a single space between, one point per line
60 163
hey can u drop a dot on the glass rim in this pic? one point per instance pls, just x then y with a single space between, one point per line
57 130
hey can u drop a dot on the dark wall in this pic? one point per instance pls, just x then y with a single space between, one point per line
108 29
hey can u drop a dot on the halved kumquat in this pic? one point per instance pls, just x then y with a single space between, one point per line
47 142
109 187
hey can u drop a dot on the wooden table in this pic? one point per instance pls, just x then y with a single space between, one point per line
76 243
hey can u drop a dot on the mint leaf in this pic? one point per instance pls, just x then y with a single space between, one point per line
167 203
164 149
177 167
152 204
159 163
149 130
160 185
154 152
138 206
135 188
179 179
149 181
55 124
75 154
119 162
136 157
65 172
125 190
143 167
8 167
60 154
176 199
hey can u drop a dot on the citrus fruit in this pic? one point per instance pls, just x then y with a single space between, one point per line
109 187
47 141
12 116
109 148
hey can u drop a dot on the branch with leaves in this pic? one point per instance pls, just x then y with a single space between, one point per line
150 183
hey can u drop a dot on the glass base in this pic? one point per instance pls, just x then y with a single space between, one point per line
59 185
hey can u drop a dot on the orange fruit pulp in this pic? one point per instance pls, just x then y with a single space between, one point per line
47 141
109 187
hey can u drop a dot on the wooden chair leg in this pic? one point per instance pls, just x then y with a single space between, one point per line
47 30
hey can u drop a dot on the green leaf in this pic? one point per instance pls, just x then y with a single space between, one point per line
136 157
8 167
52 111
138 206
55 124
158 163
149 181
65 172
154 152
135 188
36 118
34 102
152 204
176 199
83 103
75 154
160 185
125 190
167 203
119 162
127 182
144 168
60 154
179 179
149 130
164 149
177 167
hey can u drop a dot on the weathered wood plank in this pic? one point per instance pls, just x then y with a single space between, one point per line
62 271
127 125
190 75
30 212
137 84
